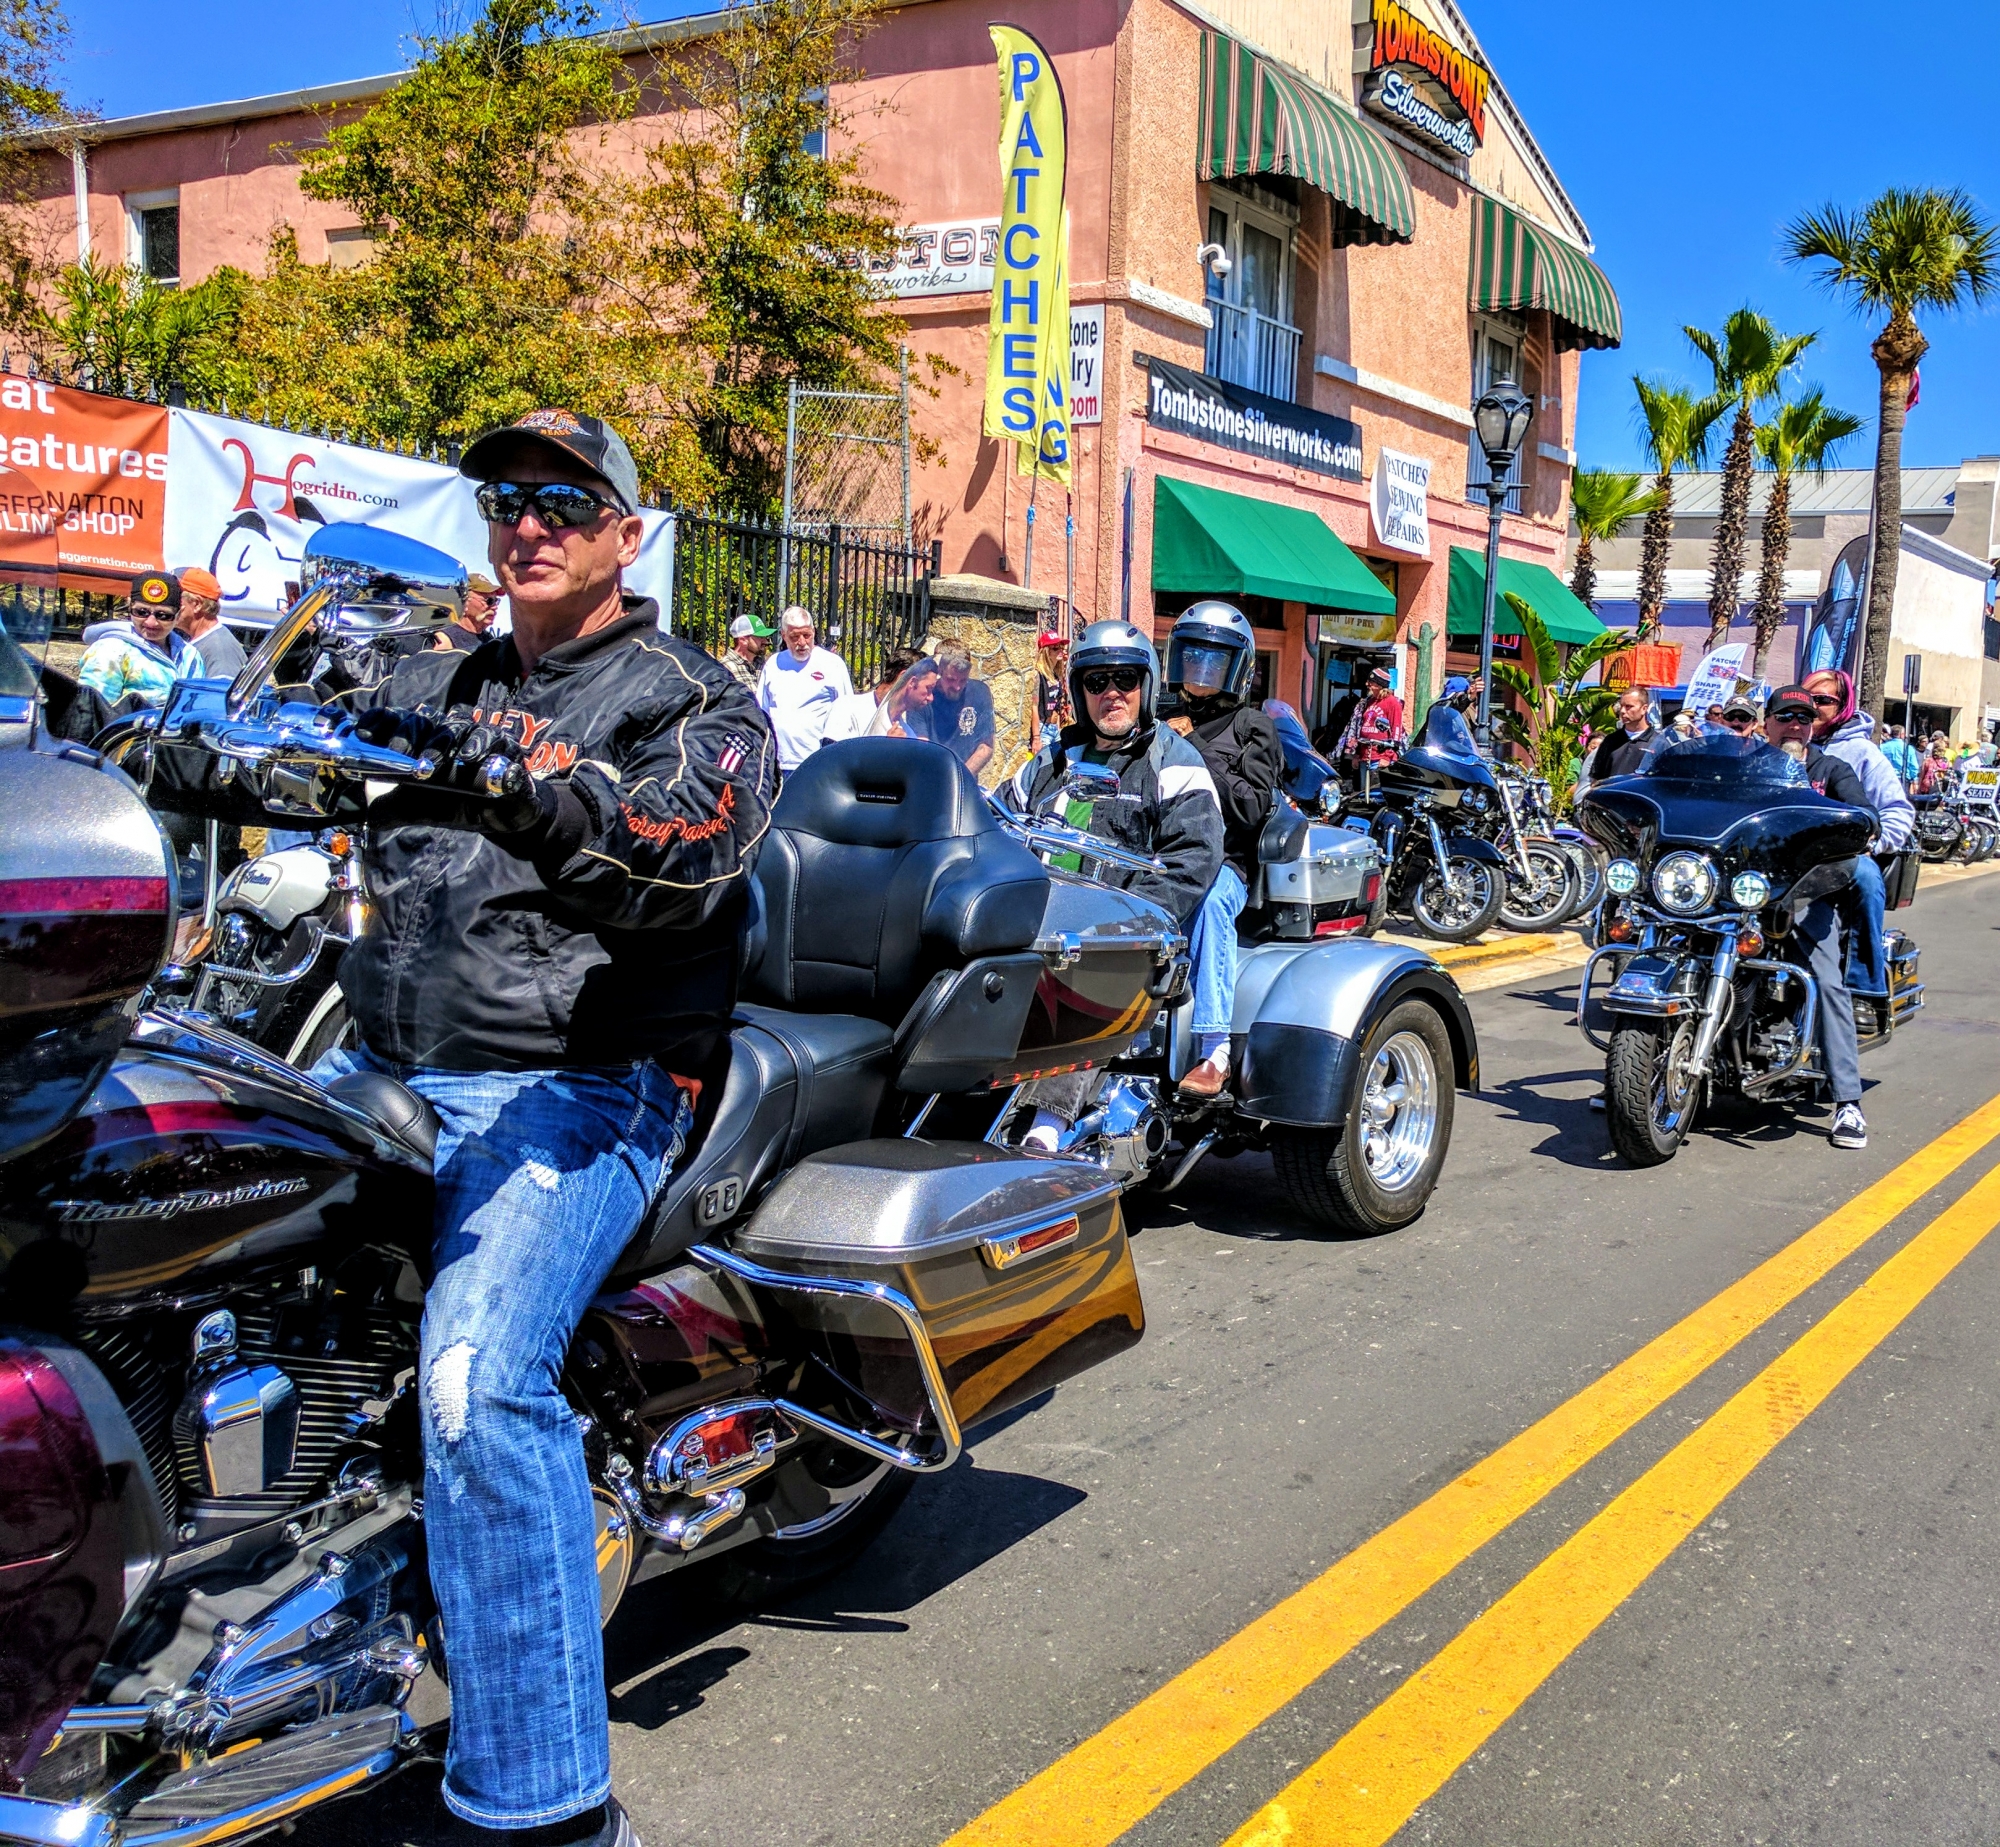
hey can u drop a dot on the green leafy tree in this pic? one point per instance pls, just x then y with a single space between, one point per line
1603 504
1802 435
1748 358
1675 427
754 230
1561 711
1904 253
116 330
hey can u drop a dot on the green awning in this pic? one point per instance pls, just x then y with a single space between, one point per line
1564 614
1517 264
1228 544
1256 118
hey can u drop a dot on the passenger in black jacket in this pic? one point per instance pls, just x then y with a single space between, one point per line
551 970
1210 658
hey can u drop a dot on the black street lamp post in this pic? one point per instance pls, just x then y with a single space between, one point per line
1501 419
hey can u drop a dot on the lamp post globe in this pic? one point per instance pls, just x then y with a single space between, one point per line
1500 420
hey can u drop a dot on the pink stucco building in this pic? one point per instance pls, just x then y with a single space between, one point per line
1303 235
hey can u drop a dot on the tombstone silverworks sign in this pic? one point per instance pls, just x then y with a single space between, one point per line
1228 415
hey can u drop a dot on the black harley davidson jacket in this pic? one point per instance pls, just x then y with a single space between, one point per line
612 934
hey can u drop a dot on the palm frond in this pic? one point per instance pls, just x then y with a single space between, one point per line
1908 248
1604 502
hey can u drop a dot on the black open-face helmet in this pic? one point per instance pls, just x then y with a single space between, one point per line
1211 652
1114 644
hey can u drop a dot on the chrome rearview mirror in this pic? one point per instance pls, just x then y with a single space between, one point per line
364 581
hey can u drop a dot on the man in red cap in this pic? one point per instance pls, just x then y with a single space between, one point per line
199 624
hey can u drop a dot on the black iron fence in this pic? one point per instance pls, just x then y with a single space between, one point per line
866 596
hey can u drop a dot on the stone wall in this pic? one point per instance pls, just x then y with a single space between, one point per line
998 622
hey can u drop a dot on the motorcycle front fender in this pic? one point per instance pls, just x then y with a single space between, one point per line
1304 1011
1470 846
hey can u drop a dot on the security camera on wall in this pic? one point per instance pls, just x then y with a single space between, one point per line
1214 258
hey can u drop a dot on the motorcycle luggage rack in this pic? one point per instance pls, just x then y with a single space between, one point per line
897 1455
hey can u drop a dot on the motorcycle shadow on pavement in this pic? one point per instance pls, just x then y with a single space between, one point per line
664 1648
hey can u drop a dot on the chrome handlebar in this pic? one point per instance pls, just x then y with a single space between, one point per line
1046 837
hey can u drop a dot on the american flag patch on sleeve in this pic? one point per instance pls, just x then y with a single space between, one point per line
735 748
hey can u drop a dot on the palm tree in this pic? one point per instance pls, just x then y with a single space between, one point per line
1675 426
1748 361
1603 503
1803 434
1904 251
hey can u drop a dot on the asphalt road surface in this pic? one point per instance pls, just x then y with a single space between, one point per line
1596 1506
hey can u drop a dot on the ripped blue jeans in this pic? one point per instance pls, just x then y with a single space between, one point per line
543 1177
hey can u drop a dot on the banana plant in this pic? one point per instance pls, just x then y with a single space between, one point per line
1561 711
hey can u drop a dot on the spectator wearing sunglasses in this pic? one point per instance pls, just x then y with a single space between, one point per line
543 964
1842 731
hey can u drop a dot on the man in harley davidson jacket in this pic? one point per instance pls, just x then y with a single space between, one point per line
547 968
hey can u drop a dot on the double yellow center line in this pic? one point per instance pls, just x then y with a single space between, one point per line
1369 1783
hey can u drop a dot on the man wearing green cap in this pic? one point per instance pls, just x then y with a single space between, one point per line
745 653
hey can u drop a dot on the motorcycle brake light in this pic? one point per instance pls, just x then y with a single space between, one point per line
1339 926
718 1443
1372 889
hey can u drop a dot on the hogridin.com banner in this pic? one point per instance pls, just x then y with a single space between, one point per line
1027 356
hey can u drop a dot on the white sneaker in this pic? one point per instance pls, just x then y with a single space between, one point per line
1850 1127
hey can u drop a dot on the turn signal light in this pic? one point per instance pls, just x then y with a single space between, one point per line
338 842
1750 943
1620 930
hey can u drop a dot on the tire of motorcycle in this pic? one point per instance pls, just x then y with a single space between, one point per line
1589 877
328 1027
1989 842
1553 896
783 1564
1376 1171
1458 917
1649 1101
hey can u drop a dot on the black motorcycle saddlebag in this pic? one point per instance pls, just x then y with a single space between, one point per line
1018 1268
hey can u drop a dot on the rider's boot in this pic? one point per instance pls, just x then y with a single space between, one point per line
608 1826
1210 1078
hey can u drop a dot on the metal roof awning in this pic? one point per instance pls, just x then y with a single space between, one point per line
1256 118
1564 614
1517 264
1208 540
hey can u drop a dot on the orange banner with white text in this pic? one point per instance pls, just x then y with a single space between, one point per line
91 469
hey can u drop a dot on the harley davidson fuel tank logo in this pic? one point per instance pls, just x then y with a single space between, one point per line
106 1212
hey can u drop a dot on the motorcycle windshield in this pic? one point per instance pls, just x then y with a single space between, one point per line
27 607
1444 755
1306 771
1728 766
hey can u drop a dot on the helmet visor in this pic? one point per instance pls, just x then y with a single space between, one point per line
1205 668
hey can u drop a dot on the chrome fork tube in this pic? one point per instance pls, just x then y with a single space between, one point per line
1716 1008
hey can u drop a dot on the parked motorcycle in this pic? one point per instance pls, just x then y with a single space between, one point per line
1715 849
1535 799
1542 882
1346 1052
215 1612
1421 811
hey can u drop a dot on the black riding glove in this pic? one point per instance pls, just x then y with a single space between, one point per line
479 778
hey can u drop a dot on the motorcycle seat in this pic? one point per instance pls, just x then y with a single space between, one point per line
794 1083
394 1108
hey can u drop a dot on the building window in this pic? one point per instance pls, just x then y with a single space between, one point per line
815 138
1496 354
1254 340
155 235
351 245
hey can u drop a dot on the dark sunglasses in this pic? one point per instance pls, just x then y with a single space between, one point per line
1100 680
557 504
1827 702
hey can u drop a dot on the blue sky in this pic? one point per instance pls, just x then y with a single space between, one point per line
1687 133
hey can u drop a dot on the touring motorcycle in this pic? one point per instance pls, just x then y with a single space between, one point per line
215 1610
1715 849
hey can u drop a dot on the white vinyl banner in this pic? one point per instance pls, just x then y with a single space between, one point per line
242 500
1400 497
1715 679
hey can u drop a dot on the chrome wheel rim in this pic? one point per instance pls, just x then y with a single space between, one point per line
1454 899
1550 868
1673 1085
842 1502
1399 1111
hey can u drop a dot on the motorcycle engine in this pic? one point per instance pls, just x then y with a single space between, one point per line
1115 1120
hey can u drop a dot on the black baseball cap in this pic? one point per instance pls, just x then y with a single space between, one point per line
157 591
1791 702
1739 707
589 440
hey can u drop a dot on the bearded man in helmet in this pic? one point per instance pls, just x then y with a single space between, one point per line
1210 658
1166 804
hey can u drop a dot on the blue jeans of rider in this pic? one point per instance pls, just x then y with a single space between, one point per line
1212 946
1819 929
1864 904
543 1177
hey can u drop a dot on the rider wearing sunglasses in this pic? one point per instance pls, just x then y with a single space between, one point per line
544 967
1842 730
1166 804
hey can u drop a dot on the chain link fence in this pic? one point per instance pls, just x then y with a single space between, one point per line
847 461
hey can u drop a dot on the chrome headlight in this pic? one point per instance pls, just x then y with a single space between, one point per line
1621 877
1684 883
1473 800
1752 890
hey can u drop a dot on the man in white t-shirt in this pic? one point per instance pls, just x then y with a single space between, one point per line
798 689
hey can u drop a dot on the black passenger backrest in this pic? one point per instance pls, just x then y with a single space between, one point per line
883 865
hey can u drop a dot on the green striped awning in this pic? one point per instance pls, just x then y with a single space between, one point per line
1517 264
1256 118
